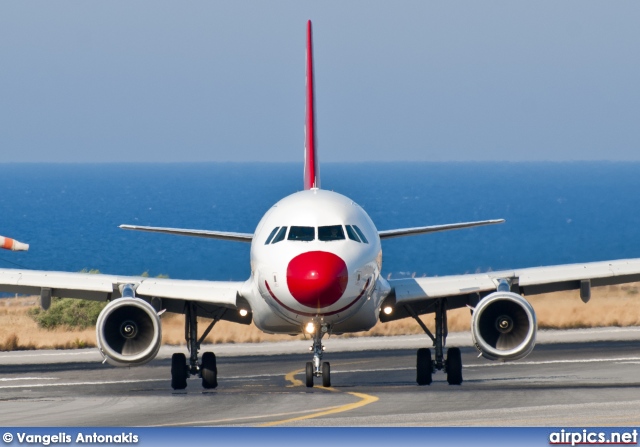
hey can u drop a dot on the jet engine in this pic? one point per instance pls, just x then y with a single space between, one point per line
128 332
503 326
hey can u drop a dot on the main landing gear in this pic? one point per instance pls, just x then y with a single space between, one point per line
207 369
317 368
425 366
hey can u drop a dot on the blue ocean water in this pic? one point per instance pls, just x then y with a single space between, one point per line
556 213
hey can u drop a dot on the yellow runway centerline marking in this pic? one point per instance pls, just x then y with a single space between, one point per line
239 419
290 377
365 399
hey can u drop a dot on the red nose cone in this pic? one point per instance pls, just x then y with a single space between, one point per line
317 279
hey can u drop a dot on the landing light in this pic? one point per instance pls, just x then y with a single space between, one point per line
310 328
387 310
244 312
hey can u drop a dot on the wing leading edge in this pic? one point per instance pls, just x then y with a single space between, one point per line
388 234
225 235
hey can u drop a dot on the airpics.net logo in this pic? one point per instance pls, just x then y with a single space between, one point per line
64 438
588 437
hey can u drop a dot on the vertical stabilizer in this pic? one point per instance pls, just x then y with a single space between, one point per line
311 171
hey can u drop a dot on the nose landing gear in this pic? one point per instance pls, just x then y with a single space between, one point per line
317 368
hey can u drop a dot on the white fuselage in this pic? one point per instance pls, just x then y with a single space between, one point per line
310 263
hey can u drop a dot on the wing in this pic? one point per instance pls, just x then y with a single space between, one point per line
465 290
239 237
387 234
209 295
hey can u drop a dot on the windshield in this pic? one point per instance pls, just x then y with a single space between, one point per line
331 233
302 234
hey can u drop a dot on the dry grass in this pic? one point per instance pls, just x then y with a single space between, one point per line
18 331
224 332
609 306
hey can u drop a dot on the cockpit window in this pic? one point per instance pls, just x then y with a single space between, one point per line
364 239
280 236
331 233
352 233
273 233
302 234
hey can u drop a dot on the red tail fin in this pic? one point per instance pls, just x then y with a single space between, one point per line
311 171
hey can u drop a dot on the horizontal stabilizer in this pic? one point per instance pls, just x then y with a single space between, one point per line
387 234
239 237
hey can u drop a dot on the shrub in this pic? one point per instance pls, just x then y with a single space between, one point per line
68 312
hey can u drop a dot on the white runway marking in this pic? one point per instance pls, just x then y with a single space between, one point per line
260 378
6 379
626 360
349 371
113 382
65 353
551 362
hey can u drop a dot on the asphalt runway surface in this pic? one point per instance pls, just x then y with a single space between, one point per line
572 378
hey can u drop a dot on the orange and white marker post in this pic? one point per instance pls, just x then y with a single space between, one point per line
11 244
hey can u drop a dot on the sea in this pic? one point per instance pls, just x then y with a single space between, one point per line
555 213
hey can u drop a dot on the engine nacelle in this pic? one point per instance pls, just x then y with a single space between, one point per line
128 332
503 326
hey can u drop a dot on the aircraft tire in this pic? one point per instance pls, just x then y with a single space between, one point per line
309 375
453 365
179 371
424 367
326 374
209 371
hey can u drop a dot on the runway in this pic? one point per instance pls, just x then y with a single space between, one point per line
572 378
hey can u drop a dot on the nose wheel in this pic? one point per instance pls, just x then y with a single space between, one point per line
317 368
325 373
309 373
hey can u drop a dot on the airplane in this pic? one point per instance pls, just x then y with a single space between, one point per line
316 263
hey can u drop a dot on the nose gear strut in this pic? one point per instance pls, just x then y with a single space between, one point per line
317 368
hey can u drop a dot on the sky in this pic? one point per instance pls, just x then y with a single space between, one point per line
196 81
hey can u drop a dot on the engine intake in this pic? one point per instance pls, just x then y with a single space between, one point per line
128 332
503 326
